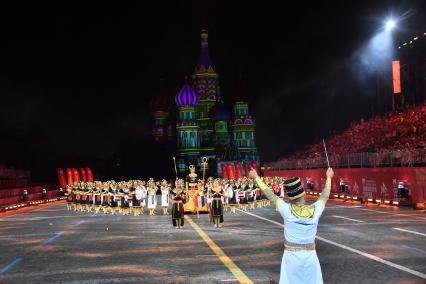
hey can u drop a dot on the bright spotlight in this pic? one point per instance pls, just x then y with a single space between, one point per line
390 24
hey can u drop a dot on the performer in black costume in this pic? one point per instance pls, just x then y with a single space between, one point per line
217 205
177 209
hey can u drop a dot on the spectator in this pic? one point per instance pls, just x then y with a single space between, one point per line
25 195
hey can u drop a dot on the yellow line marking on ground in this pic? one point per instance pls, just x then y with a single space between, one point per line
238 273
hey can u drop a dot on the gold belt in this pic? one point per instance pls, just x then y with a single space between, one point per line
180 201
296 247
217 198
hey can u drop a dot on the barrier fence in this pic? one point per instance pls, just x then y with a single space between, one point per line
398 158
374 183
15 195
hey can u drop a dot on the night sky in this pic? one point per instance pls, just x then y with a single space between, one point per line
76 80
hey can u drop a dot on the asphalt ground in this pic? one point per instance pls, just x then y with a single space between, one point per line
356 244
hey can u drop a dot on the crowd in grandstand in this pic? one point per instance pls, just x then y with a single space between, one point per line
398 135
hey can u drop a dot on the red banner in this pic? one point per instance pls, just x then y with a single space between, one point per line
396 77
377 183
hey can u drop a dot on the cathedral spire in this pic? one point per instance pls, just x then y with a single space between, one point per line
205 63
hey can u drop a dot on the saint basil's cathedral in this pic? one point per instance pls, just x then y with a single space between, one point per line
204 127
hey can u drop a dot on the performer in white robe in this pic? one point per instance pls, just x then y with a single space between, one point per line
225 197
144 196
232 197
300 263
152 197
165 196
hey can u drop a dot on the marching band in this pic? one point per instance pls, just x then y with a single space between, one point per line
131 197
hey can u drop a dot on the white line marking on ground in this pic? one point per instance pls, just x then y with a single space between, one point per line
384 212
408 231
396 222
367 255
346 218
414 248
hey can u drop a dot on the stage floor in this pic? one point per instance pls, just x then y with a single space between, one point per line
356 244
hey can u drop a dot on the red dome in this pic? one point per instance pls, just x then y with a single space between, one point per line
161 103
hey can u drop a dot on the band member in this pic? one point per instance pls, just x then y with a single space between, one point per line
251 194
200 198
125 198
242 195
132 187
300 262
97 199
70 198
137 198
177 208
89 196
225 200
217 205
76 196
84 196
209 198
144 195
105 197
114 197
232 195
152 197
165 192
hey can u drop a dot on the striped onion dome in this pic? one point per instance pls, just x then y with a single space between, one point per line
186 96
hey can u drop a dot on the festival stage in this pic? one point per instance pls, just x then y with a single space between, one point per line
356 244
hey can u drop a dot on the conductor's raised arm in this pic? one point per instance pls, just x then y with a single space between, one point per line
326 191
266 190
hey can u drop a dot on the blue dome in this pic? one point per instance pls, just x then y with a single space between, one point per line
186 96
220 113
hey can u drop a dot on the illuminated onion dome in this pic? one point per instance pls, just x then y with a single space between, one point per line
220 113
186 97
